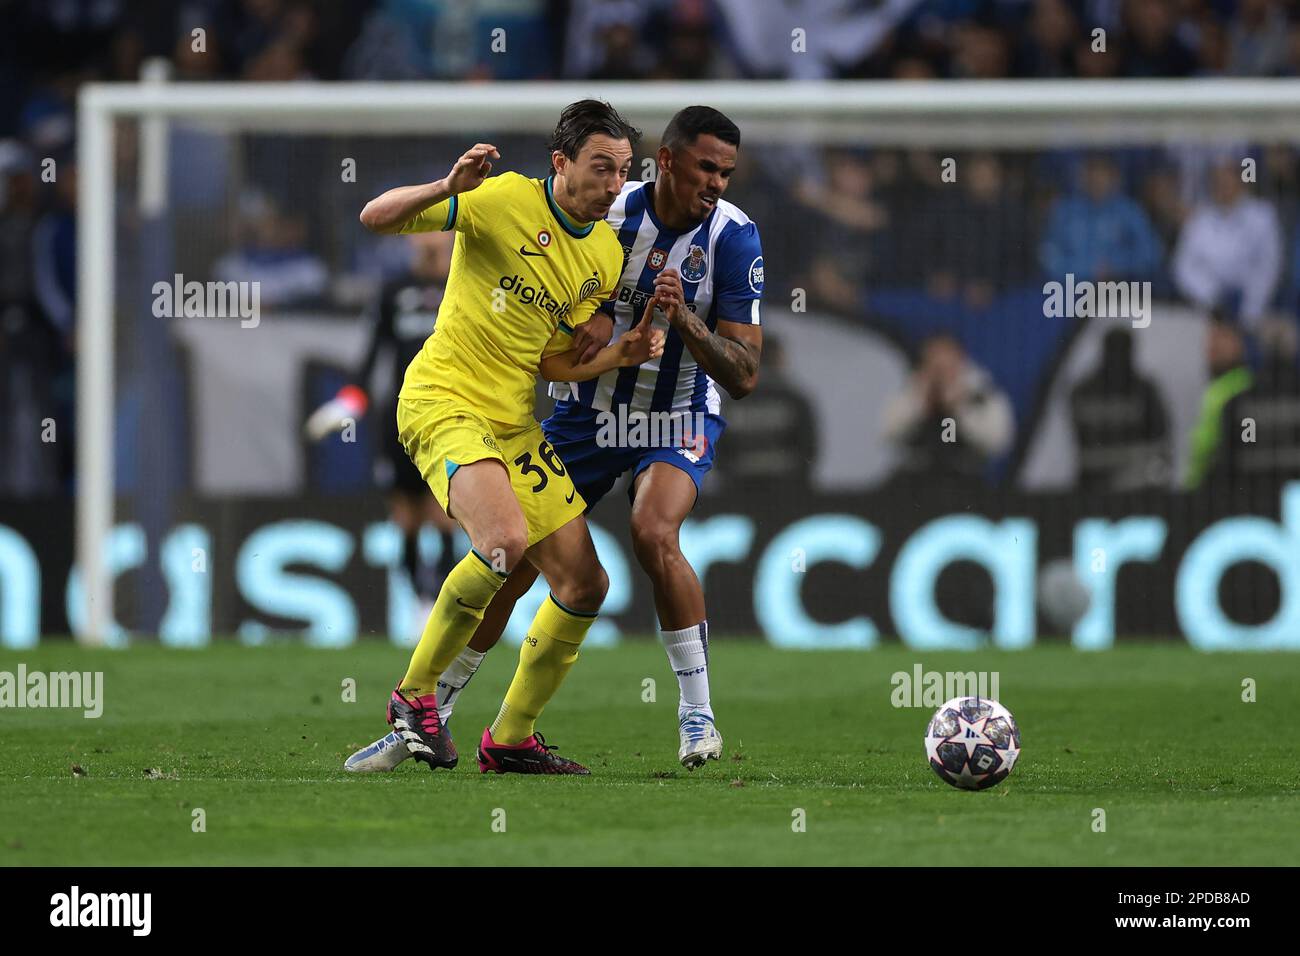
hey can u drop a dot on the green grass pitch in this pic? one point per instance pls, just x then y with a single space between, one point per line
1156 736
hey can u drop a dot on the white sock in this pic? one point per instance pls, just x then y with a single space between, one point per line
454 679
688 653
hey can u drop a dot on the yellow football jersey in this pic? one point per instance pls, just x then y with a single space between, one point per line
523 276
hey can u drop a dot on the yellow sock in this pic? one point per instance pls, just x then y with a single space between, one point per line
456 614
545 657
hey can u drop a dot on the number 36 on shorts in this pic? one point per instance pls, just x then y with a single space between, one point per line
442 436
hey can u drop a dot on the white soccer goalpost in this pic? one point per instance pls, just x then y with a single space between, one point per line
1002 114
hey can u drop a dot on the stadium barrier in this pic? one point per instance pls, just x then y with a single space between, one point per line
936 568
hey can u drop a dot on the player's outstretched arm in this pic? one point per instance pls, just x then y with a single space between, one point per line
639 344
730 357
388 212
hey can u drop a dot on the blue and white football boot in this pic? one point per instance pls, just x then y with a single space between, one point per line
384 754
700 738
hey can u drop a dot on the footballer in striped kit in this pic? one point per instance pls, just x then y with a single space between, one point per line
701 258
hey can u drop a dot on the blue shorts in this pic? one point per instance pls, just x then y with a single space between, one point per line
594 463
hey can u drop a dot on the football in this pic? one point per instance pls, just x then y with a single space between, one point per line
972 743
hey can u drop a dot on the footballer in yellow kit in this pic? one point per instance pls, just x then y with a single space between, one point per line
533 260
523 276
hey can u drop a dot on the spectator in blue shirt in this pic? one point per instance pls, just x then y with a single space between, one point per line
1101 234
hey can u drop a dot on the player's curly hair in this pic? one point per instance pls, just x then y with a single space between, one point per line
587 118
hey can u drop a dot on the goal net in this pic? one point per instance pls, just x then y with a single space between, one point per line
1028 370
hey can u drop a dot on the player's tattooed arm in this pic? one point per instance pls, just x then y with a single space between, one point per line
389 212
731 358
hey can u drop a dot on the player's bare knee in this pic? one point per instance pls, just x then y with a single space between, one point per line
593 587
654 541
503 547
600 584
583 591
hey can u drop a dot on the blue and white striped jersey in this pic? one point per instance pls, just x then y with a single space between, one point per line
721 265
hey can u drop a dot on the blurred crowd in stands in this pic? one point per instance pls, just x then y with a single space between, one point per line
877 233
58 43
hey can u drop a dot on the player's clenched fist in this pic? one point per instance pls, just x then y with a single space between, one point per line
472 168
669 295
398 209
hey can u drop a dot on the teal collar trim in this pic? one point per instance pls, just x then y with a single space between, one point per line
567 224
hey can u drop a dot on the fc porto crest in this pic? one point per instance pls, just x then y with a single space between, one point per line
656 259
695 264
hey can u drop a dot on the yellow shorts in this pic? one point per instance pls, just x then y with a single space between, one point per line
440 435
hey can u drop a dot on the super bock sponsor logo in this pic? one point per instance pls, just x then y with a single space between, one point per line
756 275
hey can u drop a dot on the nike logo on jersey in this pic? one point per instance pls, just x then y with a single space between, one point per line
568 499
525 252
